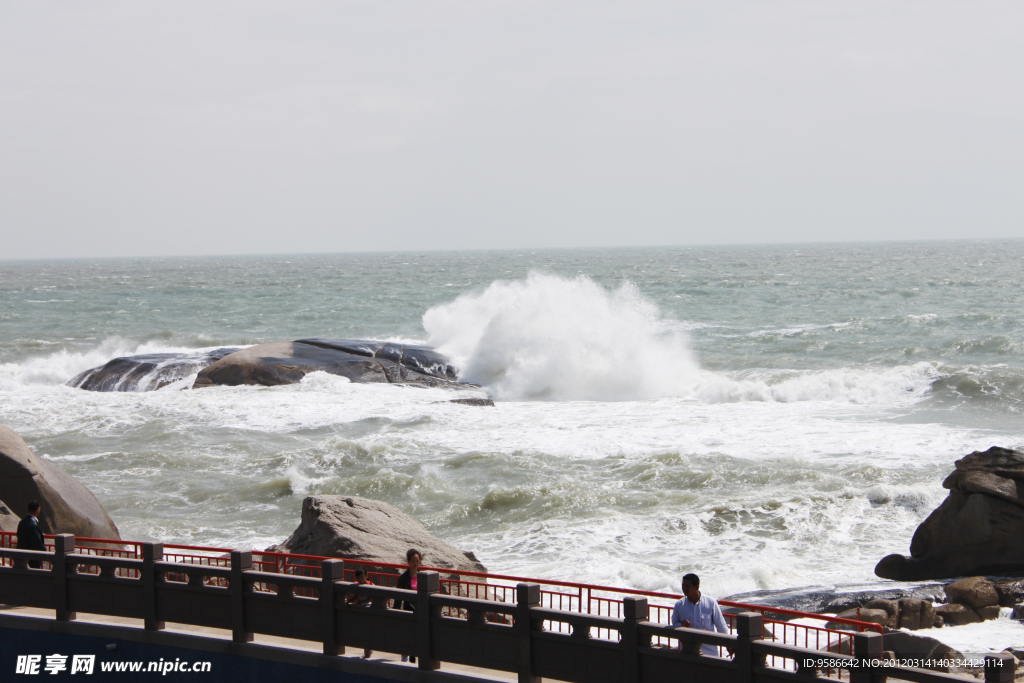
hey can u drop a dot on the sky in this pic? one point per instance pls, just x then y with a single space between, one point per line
184 128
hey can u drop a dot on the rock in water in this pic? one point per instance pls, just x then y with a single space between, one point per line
277 363
8 520
68 507
146 372
978 529
361 529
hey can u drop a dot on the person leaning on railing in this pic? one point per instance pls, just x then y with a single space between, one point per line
699 611
30 536
408 581
361 601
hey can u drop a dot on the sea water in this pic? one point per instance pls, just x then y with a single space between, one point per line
766 416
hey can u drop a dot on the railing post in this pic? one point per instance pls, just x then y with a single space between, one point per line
527 597
999 668
634 610
330 572
63 545
151 554
749 629
241 561
867 647
427 583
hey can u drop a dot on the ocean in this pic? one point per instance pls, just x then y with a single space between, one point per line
769 417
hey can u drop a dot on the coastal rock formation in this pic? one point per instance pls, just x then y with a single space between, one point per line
978 529
361 529
68 507
146 372
276 363
8 520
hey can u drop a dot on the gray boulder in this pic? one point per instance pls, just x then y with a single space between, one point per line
68 507
361 529
8 520
978 529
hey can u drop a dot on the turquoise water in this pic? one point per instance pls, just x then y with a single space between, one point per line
769 416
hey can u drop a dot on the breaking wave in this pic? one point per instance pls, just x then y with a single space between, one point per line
554 338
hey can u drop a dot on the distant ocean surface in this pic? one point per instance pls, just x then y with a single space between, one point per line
767 416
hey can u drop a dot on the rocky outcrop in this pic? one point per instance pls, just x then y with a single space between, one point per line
8 520
978 529
361 529
67 506
277 363
147 372
359 361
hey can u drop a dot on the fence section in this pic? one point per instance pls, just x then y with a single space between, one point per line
519 635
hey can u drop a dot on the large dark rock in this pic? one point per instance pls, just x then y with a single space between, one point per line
277 363
978 529
68 507
289 362
146 372
361 529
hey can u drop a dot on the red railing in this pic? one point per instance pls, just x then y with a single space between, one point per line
561 595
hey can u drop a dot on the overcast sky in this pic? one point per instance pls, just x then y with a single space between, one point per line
164 128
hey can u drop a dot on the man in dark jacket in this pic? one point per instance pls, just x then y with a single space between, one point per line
30 536
408 581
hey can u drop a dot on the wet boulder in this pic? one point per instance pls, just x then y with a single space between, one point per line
356 528
67 506
978 529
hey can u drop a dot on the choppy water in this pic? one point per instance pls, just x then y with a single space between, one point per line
770 416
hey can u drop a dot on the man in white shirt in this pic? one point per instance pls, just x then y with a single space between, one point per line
699 611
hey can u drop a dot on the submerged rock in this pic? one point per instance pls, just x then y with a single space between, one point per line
277 363
978 529
355 528
68 507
